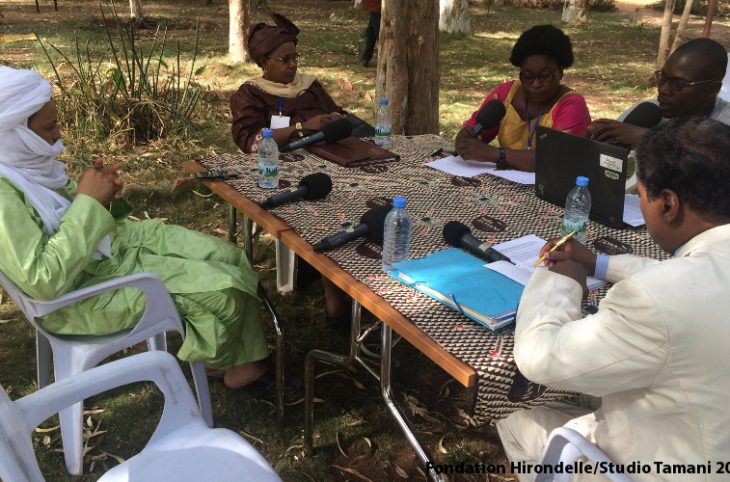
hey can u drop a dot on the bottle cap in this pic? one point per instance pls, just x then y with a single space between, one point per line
268 133
581 181
383 101
399 202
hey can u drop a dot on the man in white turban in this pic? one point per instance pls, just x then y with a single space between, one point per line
57 236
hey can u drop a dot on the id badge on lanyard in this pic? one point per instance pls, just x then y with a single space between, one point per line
280 121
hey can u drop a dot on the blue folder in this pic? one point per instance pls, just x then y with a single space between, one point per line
462 282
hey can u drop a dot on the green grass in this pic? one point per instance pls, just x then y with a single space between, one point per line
614 58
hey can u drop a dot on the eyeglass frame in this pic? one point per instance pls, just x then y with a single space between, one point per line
678 85
286 59
542 78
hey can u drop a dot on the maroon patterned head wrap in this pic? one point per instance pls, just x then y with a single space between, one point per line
264 39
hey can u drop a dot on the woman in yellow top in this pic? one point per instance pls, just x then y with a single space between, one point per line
538 98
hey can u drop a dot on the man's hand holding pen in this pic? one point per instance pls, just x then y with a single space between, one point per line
572 259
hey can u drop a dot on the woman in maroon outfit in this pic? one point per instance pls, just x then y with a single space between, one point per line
282 98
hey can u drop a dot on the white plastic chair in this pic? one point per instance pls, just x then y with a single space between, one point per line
567 446
75 354
181 449
725 89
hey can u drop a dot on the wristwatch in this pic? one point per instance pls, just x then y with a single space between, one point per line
299 128
502 159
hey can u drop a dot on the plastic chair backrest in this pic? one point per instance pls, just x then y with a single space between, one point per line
567 446
725 89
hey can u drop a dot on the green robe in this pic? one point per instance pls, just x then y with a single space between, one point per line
211 281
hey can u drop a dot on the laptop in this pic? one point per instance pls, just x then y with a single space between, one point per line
561 157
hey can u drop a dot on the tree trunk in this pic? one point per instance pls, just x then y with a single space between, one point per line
408 65
663 52
454 16
711 8
582 15
570 11
575 11
678 37
135 8
237 25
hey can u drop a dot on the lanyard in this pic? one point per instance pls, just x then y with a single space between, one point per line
531 129
280 103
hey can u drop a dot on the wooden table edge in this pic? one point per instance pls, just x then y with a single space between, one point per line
269 222
461 371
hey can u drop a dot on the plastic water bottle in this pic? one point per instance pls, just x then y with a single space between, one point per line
268 161
577 209
383 125
397 234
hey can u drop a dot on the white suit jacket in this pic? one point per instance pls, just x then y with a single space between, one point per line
657 352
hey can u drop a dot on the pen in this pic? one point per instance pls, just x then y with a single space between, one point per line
561 242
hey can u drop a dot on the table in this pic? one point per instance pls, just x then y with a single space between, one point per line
495 209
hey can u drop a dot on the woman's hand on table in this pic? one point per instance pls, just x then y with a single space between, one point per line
318 121
470 148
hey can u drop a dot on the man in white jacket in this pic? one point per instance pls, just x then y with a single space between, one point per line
657 352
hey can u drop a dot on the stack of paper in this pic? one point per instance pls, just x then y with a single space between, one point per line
459 167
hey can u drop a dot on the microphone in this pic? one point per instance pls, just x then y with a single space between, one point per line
646 114
311 187
330 133
372 225
489 115
459 235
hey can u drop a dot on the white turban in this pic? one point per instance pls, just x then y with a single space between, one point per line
26 159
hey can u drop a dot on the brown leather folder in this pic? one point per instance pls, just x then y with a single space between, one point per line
353 152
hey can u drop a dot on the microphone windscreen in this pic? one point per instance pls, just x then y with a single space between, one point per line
490 115
454 231
318 185
375 220
646 114
337 130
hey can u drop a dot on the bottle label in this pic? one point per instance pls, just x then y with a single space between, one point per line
382 131
568 225
268 171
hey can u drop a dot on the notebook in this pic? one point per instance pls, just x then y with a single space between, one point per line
352 152
462 282
561 157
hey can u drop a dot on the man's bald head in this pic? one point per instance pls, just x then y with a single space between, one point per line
705 57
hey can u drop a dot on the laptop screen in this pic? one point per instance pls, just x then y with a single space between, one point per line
561 157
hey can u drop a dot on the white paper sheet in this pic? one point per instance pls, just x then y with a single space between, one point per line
520 177
457 166
632 211
524 252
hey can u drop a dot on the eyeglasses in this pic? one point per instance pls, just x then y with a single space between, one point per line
543 78
675 84
287 59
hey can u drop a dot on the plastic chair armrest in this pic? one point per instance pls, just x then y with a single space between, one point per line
148 283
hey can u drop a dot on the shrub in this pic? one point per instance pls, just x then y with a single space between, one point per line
593 5
130 93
